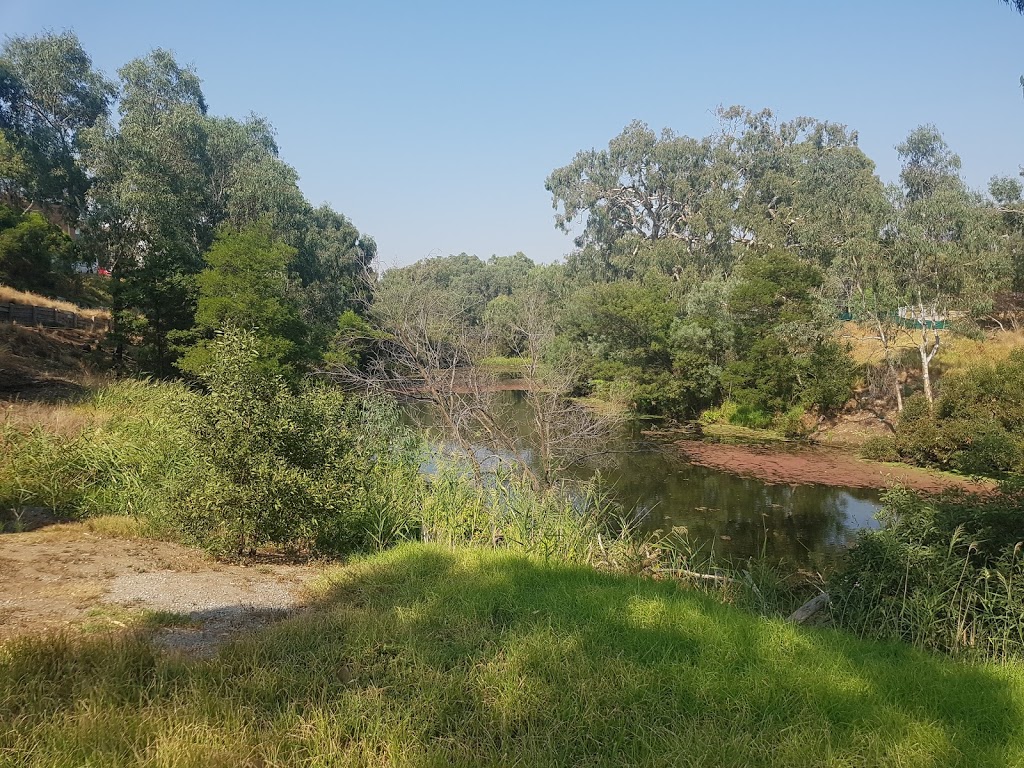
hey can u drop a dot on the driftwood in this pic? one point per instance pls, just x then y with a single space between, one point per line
808 609
718 578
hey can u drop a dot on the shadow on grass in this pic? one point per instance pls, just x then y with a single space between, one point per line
425 656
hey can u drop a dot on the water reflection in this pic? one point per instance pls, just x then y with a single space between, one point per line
728 515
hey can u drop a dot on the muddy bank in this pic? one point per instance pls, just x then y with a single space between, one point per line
816 466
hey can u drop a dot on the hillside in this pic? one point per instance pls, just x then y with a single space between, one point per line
43 363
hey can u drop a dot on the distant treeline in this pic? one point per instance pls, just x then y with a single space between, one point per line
716 270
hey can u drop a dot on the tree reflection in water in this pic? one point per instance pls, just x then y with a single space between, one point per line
733 517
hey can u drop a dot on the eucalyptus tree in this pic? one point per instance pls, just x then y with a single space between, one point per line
152 212
646 202
803 185
331 269
248 181
1008 194
49 94
943 254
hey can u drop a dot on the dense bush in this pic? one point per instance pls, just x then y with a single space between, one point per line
880 448
976 426
314 471
944 573
34 254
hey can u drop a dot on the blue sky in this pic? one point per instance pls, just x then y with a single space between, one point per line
433 125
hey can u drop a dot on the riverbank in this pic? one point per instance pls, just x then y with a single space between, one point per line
790 463
429 656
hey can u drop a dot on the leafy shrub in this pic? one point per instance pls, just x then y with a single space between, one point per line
752 417
972 439
721 415
943 573
791 423
298 471
880 448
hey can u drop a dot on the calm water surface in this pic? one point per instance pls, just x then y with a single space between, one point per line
729 515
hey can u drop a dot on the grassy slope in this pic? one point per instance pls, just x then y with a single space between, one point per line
422 656
93 292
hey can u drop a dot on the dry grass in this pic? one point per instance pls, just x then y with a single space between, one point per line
8 294
53 418
34 353
956 353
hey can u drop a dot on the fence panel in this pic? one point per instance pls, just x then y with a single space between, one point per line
49 317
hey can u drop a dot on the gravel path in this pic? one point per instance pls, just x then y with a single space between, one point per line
63 576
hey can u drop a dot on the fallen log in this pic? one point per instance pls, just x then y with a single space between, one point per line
808 609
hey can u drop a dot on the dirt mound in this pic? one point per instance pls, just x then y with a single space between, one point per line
784 464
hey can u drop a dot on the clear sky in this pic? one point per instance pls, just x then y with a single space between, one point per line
433 125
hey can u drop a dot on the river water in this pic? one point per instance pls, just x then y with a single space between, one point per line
729 516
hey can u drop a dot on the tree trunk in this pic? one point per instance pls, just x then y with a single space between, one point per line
926 376
927 352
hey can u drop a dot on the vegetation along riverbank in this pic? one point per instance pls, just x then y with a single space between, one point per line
273 504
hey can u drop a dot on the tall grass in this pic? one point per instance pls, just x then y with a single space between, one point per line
126 451
945 574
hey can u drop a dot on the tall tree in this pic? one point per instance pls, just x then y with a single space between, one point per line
942 250
245 285
659 199
152 211
49 94
331 268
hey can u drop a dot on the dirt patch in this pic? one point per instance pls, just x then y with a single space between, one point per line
65 577
816 466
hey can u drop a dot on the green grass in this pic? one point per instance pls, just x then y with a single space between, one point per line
737 432
508 365
427 656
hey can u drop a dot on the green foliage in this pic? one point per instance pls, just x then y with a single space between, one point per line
34 254
245 285
49 95
353 342
560 523
751 417
880 448
289 470
785 356
130 456
167 175
975 426
943 573
791 423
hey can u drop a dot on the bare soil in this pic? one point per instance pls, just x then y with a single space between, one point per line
65 577
782 464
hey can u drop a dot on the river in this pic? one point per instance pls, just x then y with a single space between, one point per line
729 516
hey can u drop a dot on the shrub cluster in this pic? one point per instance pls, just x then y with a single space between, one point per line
945 573
311 470
975 427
